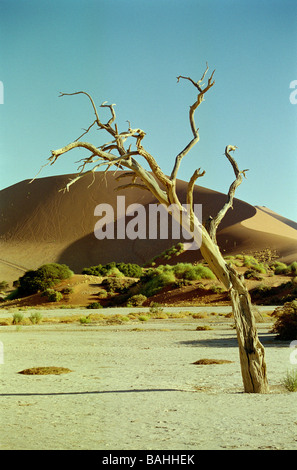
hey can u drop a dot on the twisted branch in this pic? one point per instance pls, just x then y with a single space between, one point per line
190 190
213 223
193 108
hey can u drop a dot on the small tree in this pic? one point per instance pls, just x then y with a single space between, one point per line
117 152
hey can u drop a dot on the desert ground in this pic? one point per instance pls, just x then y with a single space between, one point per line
134 385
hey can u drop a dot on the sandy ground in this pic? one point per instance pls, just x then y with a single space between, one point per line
134 386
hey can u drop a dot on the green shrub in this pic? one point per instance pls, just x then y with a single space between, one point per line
251 262
156 281
93 270
42 278
293 267
252 274
102 294
53 295
280 268
84 320
286 322
94 305
136 300
67 290
192 273
17 318
35 318
114 284
153 280
143 318
217 289
290 381
199 272
181 283
114 272
155 308
128 270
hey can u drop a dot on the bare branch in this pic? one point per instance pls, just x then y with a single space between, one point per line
193 108
190 190
86 130
113 115
90 98
196 84
213 223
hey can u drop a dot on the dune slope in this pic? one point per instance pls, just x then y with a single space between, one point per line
39 224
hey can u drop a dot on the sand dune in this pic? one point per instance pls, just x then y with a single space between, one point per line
39 224
286 221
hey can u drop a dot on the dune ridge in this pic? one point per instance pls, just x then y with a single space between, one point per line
39 224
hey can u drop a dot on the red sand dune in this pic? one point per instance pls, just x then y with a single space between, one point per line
39 225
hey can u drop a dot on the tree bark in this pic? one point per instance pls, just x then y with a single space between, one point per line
251 351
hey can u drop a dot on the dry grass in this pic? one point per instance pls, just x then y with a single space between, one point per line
211 361
45 371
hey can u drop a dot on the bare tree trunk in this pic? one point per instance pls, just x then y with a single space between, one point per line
164 189
251 351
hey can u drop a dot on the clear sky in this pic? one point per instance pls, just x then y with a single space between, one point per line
129 52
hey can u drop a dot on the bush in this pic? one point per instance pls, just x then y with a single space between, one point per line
110 269
84 320
286 322
290 381
130 269
35 318
252 274
94 305
115 284
293 267
192 273
136 300
67 290
94 270
280 268
143 318
155 308
44 277
155 281
251 262
17 318
53 295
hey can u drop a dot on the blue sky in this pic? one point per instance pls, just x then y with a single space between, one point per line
129 52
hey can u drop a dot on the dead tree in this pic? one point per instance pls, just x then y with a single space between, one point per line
121 152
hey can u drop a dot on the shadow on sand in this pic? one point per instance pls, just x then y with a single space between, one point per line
95 392
267 340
